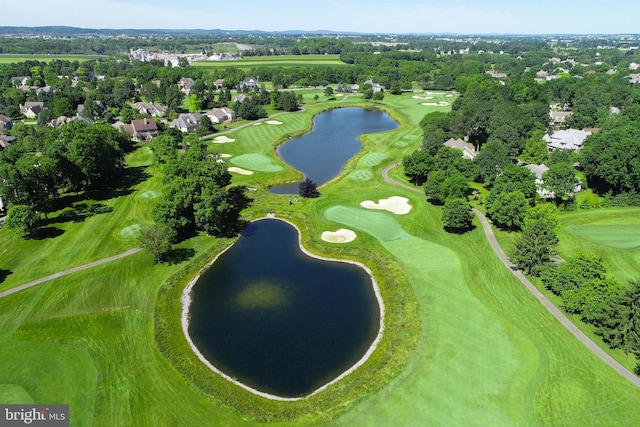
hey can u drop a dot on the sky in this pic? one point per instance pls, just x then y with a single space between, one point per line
367 16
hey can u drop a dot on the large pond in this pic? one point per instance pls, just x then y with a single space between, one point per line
321 154
278 320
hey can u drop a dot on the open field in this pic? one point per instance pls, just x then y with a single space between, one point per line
273 61
7 58
465 344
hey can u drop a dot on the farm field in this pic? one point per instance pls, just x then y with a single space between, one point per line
272 61
465 343
6 58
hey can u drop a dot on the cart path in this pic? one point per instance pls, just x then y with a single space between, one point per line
555 312
65 272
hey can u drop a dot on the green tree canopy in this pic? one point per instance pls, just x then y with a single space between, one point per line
457 215
508 210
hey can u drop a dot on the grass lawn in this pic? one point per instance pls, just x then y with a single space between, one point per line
8 58
249 62
465 343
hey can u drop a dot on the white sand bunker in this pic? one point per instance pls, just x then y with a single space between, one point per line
240 171
430 104
339 94
396 204
443 103
448 95
224 155
222 139
273 122
257 124
341 236
422 97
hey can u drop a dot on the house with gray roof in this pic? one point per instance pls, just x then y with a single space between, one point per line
569 139
221 115
468 150
5 122
31 109
186 122
185 84
150 108
141 129
250 83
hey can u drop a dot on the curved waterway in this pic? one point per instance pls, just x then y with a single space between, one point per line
278 321
321 153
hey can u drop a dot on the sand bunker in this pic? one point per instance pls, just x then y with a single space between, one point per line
273 122
443 103
430 104
341 236
224 155
257 124
240 171
396 204
448 95
422 97
222 139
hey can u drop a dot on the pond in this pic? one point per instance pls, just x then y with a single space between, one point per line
279 321
321 153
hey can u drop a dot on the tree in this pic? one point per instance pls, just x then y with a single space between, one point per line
218 211
417 166
535 149
534 246
378 96
23 220
195 104
457 215
156 239
619 322
433 186
491 160
308 189
561 179
508 210
328 92
205 127
514 178
455 187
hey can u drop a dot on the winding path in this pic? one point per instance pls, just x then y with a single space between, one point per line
555 312
65 272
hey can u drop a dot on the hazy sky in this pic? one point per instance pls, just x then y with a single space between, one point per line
371 16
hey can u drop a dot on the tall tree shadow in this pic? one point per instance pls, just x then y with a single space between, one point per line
4 274
178 255
81 211
124 184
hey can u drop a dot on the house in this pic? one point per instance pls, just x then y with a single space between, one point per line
149 108
185 84
186 122
241 98
5 122
219 83
5 140
31 109
141 129
19 80
63 120
468 150
538 170
634 78
374 86
221 115
250 83
496 75
569 139
559 117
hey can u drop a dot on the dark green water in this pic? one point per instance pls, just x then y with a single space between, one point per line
278 320
321 153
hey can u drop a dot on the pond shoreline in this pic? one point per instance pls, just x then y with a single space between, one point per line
185 300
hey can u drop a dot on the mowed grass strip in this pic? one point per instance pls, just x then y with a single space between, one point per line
249 62
9 58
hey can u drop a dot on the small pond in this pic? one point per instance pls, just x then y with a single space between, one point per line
321 153
278 320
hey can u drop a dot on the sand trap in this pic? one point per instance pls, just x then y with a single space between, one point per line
224 155
396 204
430 104
273 122
240 171
422 97
338 94
257 124
443 103
435 93
341 236
222 139
448 95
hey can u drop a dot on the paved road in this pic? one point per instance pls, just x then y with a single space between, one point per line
531 288
64 273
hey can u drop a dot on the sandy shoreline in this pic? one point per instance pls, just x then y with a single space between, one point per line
185 300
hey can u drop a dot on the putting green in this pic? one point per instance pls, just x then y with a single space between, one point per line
131 232
256 162
401 144
14 394
380 225
373 159
624 237
149 195
361 175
